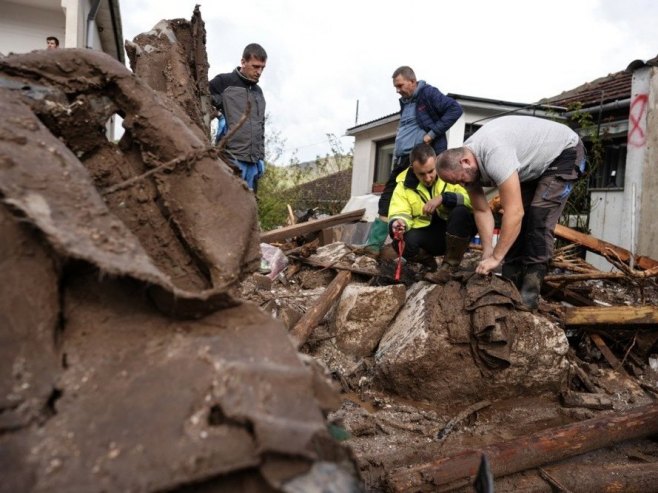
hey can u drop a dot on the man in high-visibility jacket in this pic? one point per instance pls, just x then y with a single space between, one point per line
435 217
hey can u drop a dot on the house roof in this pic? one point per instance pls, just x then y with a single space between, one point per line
612 87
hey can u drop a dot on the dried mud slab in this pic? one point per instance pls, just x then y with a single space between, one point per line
171 58
190 228
127 365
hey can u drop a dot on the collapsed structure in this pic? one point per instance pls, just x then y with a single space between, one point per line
142 352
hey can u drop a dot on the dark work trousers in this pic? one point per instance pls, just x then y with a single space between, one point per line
385 197
543 202
432 238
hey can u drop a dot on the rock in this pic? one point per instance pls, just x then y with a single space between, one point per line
363 314
417 359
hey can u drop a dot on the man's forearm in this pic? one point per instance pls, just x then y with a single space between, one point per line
509 232
485 223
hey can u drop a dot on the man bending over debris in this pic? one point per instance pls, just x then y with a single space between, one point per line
435 217
534 163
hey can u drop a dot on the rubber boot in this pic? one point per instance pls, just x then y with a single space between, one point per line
376 237
531 287
426 260
455 249
514 273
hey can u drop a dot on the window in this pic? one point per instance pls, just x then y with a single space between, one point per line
384 160
470 129
611 172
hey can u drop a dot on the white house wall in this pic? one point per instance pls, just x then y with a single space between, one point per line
605 220
24 28
627 218
365 151
648 229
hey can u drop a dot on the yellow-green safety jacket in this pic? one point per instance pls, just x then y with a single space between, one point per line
410 195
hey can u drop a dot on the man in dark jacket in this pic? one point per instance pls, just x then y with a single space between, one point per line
426 114
230 95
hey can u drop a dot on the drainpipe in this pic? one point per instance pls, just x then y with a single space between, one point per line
613 105
90 20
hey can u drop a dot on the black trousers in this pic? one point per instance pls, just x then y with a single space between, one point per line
543 202
432 238
385 197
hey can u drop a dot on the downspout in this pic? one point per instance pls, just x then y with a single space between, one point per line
118 32
90 20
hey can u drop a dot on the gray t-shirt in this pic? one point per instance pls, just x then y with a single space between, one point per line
518 143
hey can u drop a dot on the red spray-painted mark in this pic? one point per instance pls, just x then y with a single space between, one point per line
637 122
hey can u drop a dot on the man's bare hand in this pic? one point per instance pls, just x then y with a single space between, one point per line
432 204
399 227
487 265
427 139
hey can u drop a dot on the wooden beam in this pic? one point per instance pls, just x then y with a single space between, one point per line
599 477
302 330
611 315
301 229
528 451
556 291
605 351
599 246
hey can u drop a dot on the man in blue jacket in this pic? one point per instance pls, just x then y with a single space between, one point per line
426 114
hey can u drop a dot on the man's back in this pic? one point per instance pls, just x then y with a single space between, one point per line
522 143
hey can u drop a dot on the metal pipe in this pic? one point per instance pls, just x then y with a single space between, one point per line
90 19
612 105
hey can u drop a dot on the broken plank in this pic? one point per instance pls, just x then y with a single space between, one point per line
528 451
556 291
341 266
598 477
443 434
600 246
586 400
302 330
605 351
617 315
310 226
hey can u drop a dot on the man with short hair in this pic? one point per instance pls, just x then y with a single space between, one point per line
434 217
534 163
426 114
52 43
231 93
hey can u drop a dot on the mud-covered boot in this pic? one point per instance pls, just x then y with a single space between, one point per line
531 287
426 260
455 249
514 273
376 237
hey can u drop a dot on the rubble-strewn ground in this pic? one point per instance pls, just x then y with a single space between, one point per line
387 431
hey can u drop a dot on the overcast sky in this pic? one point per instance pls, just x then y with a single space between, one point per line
324 56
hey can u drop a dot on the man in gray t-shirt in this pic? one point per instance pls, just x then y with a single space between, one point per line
534 163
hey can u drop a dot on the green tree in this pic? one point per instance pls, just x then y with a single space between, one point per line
579 203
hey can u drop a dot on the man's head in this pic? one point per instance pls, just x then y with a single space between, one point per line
254 59
52 42
458 166
404 80
423 164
